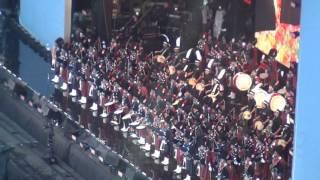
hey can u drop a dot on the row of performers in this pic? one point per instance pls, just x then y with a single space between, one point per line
195 97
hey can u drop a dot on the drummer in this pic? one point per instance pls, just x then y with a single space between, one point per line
135 105
116 93
126 99
143 92
276 123
93 94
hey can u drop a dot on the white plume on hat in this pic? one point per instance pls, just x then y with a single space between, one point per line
210 63
189 53
221 74
166 37
289 119
198 55
178 41
232 95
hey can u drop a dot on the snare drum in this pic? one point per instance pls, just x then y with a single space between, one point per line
260 97
127 116
118 111
110 103
242 81
277 102
141 127
141 130
136 123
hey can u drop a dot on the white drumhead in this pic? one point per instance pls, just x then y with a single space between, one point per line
141 127
127 116
118 111
110 103
277 102
242 81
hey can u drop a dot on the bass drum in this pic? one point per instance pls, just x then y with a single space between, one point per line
242 81
277 102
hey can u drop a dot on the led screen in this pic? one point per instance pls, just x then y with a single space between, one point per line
283 38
